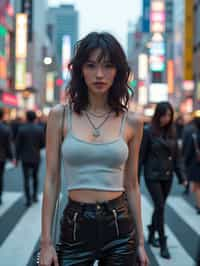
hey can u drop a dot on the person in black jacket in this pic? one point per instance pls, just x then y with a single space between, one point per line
160 157
191 151
30 139
5 149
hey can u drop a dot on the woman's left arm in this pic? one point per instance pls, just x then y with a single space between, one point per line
131 181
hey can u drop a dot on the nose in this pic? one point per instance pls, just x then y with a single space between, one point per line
99 73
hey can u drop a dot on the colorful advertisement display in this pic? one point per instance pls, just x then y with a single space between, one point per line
157 48
143 66
158 92
188 41
3 57
10 99
20 74
21 51
21 36
170 76
66 55
50 87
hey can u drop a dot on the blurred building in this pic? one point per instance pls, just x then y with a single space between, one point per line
30 80
63 32
196 56
183 55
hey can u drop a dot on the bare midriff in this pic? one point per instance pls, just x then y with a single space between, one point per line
93 196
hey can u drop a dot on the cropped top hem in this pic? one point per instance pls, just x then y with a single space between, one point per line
94 188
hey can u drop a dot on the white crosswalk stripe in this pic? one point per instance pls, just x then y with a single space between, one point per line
179 255
9 198
186 212
20 242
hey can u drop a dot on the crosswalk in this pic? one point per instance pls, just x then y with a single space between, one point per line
20 231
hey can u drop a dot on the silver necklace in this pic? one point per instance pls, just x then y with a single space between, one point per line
97 115
96 130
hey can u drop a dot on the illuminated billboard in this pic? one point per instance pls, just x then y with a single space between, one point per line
157 6
188 41
142 66
21 36
50 87
20 74
158 16
158 92
170 76
66 55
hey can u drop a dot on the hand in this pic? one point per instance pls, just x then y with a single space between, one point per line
143 260
48 256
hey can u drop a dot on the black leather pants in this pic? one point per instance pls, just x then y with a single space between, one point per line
101 231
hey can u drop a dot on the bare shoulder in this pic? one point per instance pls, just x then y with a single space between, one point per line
57 110
55 115
135 120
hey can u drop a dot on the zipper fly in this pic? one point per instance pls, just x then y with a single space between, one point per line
116 222
75 225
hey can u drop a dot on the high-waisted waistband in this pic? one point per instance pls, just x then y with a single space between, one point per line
110 204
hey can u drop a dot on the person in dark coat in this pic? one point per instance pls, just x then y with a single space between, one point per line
160 158
5 149
30 139
191 151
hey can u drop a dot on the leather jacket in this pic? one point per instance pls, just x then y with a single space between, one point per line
160 157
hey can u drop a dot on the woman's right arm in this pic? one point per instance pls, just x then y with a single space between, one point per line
52 184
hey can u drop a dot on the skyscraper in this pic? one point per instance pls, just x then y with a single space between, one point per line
64 21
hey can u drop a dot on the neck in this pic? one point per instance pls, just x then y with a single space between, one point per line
98 104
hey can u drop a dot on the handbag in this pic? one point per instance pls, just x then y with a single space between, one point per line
36 255
197 149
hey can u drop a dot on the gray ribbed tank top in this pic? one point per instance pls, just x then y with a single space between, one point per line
98 166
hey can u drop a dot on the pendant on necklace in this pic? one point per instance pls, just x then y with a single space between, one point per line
96 133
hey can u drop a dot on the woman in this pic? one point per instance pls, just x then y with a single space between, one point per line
160 157
102 219
191 151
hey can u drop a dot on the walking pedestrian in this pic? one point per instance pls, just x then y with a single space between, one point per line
102 219
192 157
160 157
30 140
5 149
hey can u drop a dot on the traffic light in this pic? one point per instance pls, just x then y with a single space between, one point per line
27 7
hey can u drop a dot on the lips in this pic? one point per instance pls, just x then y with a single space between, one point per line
99 83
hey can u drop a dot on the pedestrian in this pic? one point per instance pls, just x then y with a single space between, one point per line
29 142
192 156
5 149
102 219
160 157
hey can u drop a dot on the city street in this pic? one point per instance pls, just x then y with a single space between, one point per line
20 226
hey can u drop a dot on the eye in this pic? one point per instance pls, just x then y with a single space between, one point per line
90 65
109 65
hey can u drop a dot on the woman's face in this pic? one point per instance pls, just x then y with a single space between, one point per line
166 118
98 75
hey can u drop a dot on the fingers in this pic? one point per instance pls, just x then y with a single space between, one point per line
55 261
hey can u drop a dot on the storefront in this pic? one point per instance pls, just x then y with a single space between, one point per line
9 103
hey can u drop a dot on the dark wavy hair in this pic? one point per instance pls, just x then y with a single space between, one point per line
161 109
118 95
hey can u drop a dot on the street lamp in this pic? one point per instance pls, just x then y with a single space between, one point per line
47 60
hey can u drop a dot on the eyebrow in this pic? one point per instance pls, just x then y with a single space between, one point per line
92 61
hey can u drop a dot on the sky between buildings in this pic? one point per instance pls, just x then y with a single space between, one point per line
105 15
